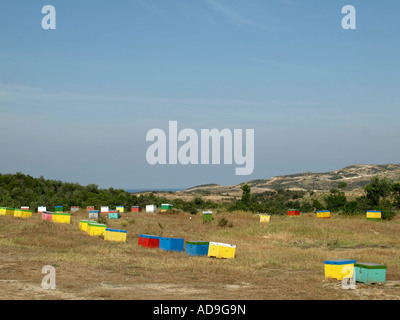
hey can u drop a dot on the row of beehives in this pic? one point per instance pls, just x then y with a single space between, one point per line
93 228
372 215
367 273
24 212
105 209
194 248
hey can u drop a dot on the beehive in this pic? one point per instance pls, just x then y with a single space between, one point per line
46 215
18 213
293 212
136 209
196 248
121 209
370 273
221 250
264 218
83 224
26 213
207 216
41 209
373 215
6 211
151 208
323 214
94 214
171 244
96 229
166 207
25 208
74 209
115 235
104 209
89 208
60 217
335 268
114 214
149 241
58 209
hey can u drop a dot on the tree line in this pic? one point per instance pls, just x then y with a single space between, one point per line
18 190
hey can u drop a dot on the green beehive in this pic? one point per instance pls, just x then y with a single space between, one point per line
207 216
166 207
369 273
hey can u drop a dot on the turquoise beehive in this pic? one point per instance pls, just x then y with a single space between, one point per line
370 273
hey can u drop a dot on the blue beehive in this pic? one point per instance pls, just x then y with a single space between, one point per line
172 244
196 248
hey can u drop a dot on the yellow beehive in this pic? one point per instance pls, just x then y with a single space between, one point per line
121 209
18 213
83 224
10 211
3 211
26 214
339 269
115 235
374 214
323 214
96 229
265 218
59 217
221 250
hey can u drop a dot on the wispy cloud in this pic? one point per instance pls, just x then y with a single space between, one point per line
234 16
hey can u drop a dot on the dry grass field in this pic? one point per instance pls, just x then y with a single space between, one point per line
280 260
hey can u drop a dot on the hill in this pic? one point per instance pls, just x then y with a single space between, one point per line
355 176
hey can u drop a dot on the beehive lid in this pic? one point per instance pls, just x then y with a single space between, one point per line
116 230
323 211
340 261
369 265
197 242
207 212
148 236
95 224
222 244
61 214
373 211
93 211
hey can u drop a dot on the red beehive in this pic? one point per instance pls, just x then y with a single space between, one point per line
149 241
47 216
89 208
136 209
293 212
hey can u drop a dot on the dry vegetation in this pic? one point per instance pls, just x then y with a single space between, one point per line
280 260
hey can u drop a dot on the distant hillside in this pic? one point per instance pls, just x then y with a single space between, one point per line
356 176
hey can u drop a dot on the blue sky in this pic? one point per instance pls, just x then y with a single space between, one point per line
76 102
